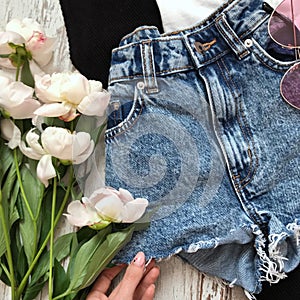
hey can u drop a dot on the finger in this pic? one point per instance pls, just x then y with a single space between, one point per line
131 279
96 295
148 280
148 266
149 293
103 281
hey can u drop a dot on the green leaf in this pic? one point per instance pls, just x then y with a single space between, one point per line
90 261
6 159
33 188
10 215
97 132
61 250
28 231
46 213
61 279
21 266
78 264
85 233
105 253
26 75
32 291
31 222
4 277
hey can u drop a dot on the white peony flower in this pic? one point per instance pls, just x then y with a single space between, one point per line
31 34
104 206
56 142
16 98
66 93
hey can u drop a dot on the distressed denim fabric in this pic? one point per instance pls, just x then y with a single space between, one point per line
198 127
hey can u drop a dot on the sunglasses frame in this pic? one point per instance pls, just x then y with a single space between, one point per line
296 65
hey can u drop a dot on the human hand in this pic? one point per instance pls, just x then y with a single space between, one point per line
137 283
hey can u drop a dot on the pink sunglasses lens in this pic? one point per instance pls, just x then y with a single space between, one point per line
284 24
290 86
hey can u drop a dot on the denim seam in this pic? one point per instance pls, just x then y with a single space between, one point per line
268 66
127 124
136 31
137 43
187 67
153 87
239 115
172 38
249 134
246 135
235 38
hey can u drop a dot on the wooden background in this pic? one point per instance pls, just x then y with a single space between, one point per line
178 280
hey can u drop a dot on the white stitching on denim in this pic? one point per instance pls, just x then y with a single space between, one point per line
221 21
238 112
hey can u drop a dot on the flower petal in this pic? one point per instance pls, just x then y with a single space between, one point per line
94 104
125 195
75 87
9 37
45 169
11 133
110 207
133 210
83 147
25 110
58 142
52 110
34 149
81 215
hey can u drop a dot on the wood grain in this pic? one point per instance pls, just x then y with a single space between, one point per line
178 280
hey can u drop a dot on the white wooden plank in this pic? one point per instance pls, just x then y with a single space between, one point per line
178 280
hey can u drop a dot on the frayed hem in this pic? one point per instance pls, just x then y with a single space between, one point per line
249 295
202 245
295 228
192 248
271 259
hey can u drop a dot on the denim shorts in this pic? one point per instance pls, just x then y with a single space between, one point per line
197 125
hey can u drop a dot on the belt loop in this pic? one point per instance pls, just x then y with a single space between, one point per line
231 37
148 67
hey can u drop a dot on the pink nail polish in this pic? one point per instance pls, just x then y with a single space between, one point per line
139 259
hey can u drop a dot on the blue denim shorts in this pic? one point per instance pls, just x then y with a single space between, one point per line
197 125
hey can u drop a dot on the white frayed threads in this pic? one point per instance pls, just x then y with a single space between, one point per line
271 266
249 295
213 243
232 283
295 228
274 250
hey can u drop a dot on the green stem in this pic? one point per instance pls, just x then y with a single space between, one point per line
43 246
66 293
4 268
33 218
18 68
8 250
21 185
51 262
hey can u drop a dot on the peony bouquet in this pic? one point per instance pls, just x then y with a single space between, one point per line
39 147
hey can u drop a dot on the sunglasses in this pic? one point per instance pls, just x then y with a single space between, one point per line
284 29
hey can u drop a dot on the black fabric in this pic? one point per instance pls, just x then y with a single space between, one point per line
286 289
95 27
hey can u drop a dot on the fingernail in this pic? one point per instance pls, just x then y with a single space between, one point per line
148 262
139 259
